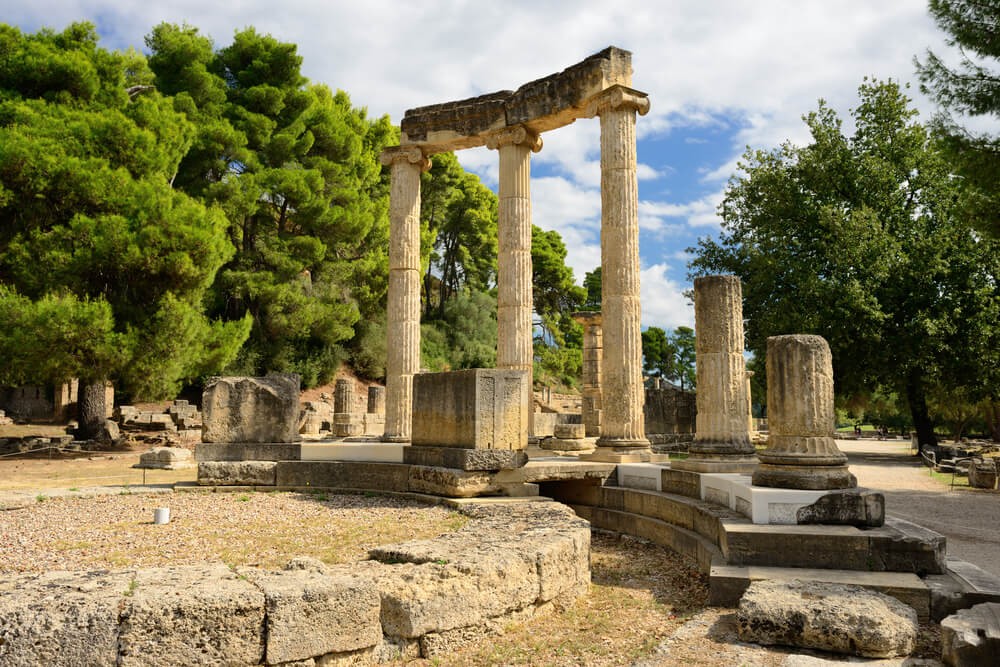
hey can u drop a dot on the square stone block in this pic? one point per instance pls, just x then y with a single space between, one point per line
465 459
472 409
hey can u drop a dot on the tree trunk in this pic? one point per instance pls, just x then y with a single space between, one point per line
917 401
92 410
993 419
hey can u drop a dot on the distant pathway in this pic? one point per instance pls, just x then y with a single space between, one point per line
969 518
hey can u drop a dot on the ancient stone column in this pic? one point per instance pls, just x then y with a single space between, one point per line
593 343
343 396
376 400
514 294
750 428
622 431
403 322
722 439
801 451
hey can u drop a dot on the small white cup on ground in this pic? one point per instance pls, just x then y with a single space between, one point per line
161 515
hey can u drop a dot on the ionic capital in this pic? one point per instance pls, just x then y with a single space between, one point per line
615 97
411 154
516 135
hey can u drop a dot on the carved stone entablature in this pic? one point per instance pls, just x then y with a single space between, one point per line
616 97
411 154
516 135
541 105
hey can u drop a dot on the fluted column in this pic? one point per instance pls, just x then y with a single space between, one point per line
376 400
514 285
622 428
722 438
593 348
403 322
801 452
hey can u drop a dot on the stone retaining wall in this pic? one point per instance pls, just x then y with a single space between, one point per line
419 598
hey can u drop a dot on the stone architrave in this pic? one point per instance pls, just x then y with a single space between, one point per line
403 323
622 436
801 451
376 400
593 343
722 439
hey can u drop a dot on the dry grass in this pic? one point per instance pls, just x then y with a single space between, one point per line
87 469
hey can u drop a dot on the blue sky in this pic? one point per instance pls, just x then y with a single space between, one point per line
721 75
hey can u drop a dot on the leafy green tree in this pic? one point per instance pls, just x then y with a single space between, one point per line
684 370
657 353
92 235
556 296
592 285
972 88
294 167
855 238
466 335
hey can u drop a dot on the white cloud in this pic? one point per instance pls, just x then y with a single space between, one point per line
663 302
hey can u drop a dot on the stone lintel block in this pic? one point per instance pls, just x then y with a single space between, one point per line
248 451
573 445
901 546
310 613
190 615
853 507
972 636
465 459
569 431
251 409
344 475
237 473
61 618
472 409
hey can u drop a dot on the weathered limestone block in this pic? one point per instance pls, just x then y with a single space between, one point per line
61 618
247 451
851 507
465 459
237 473
376 400
472 409
983 474
569 431
971 637
166 458
801 452
311 614
201 614
245 409
451 482
830 617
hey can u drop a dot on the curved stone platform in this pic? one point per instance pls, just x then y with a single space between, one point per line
420 598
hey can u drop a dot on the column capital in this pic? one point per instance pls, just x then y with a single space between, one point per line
587 317
615 97
515 134
411 154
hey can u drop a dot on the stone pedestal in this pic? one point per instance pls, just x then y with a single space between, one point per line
593 344
722 439
623 436
801 452
403 323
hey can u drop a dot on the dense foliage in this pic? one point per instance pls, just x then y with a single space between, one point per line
856 238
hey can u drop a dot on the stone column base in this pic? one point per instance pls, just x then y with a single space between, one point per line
396 438
613 450
804 477
737 463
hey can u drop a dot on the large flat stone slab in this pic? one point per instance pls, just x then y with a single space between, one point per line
237 473
189 615
343 475
61 618
247 451
829 617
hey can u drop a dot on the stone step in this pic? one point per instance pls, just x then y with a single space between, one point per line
960 587
898 546
676 538
727 583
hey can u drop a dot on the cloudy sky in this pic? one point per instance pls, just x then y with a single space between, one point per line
720 74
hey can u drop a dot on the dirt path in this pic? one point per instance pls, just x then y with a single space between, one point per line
969 518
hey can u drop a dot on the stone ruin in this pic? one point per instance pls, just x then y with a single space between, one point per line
345 416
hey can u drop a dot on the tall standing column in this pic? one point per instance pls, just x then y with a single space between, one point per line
622 429
801 452
722 438
403 322
593 344
515 349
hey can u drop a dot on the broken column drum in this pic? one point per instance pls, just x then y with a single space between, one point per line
343 396
722 438
376 400
801 451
